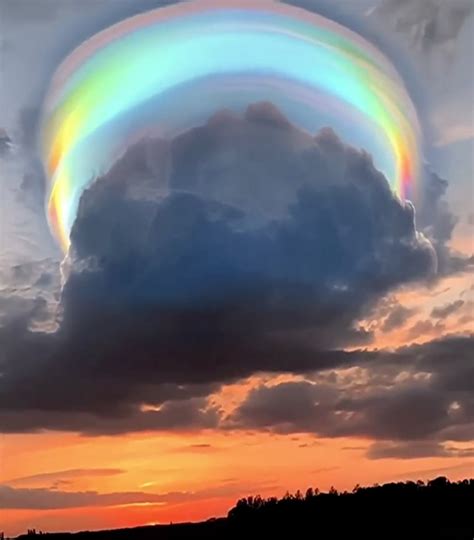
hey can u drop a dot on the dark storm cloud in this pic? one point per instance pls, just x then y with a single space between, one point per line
119 413
261 225
241 246
427 399
326 410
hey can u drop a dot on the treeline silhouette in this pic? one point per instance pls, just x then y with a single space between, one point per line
438 509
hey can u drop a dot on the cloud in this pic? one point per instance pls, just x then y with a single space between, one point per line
59 476
452 124
25 234
28 124
428 23
410 400
5 142
442 312
325 410
46 499
241 246
171 414
415 450
424 328
49 499
29 294
434 214
397 317
438 471
437 221
438 37
198 448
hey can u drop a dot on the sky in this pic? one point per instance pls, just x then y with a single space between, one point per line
246 306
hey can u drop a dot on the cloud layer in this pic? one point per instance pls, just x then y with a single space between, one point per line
413 399
48 499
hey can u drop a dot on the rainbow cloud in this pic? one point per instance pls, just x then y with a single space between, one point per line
170 69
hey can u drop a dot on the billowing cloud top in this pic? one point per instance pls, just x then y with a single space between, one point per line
170 69
240 246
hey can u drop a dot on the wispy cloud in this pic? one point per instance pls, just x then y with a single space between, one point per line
48 499
41 478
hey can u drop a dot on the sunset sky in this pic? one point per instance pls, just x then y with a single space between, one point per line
207 338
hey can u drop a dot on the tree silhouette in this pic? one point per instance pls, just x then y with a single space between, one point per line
436 510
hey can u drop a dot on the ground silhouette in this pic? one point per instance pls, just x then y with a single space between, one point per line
438 509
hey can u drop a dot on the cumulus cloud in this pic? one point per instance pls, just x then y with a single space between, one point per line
411 400
241 246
